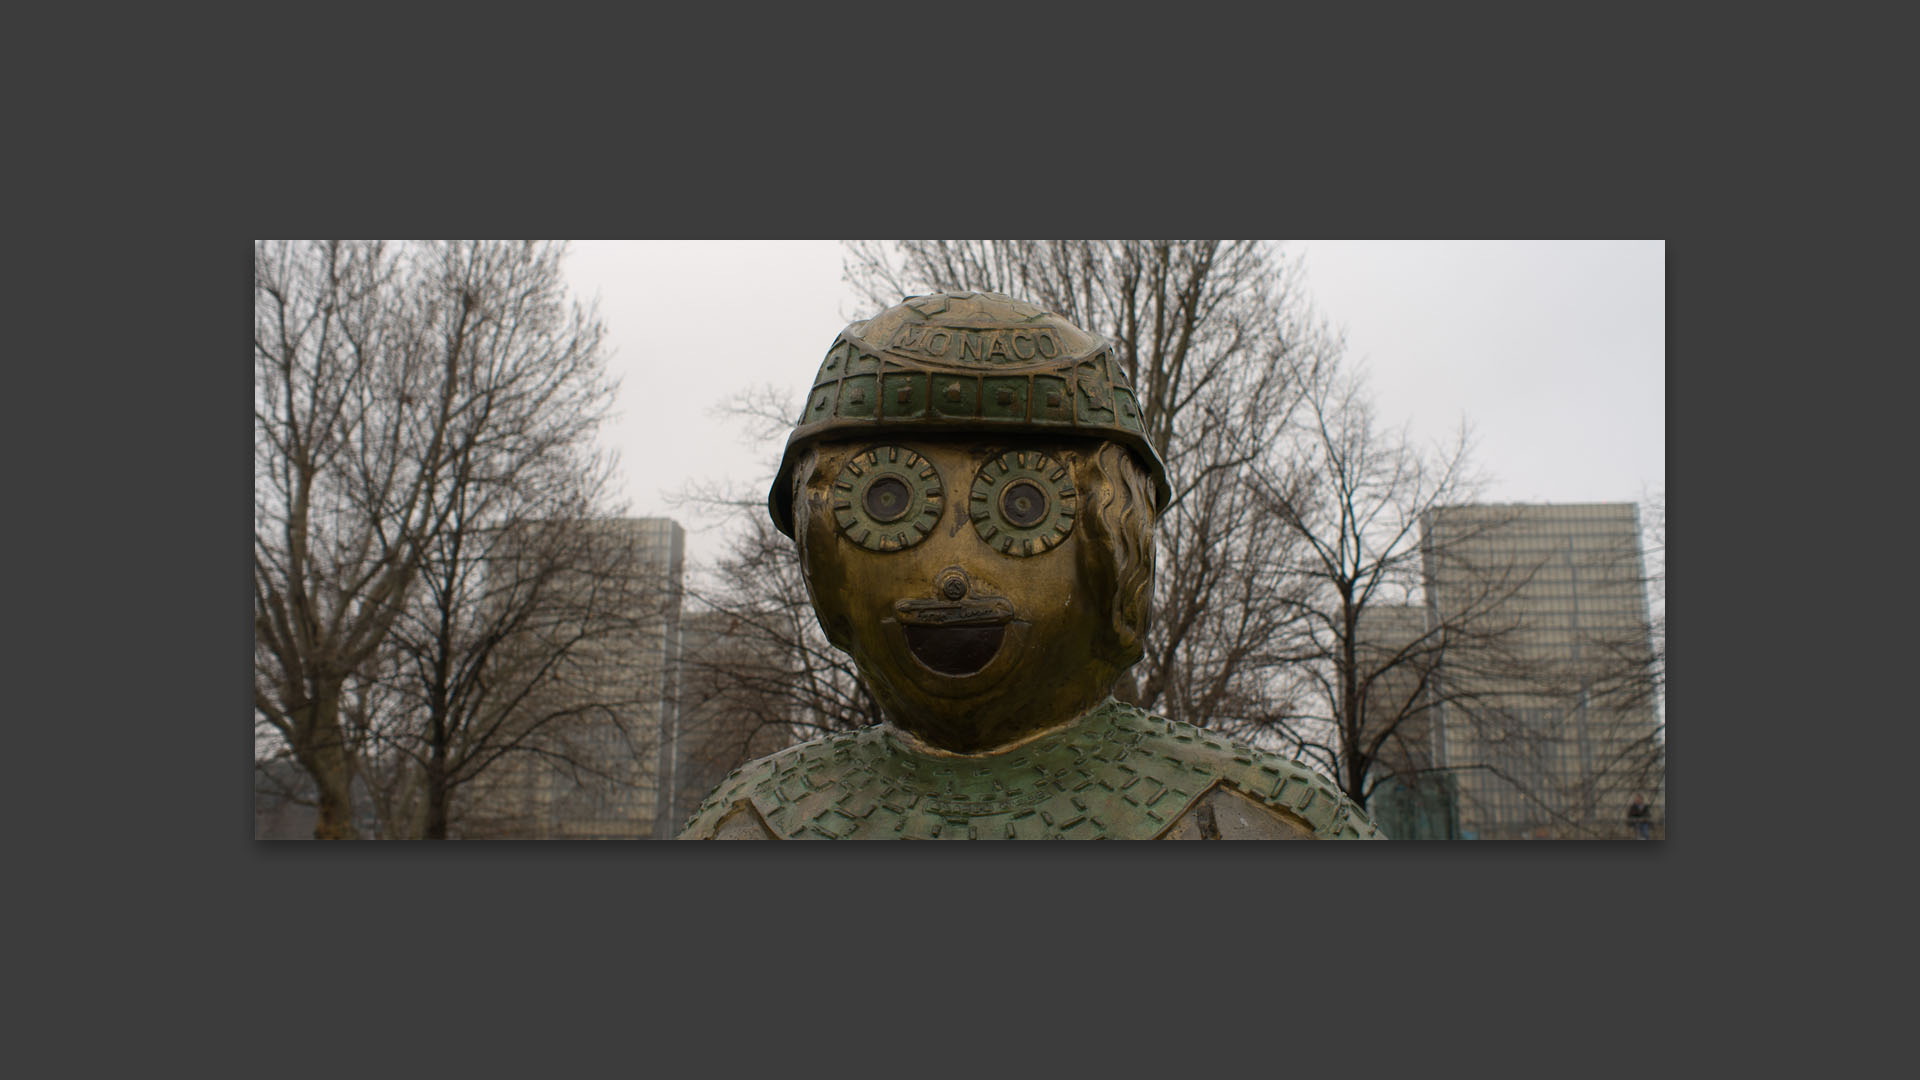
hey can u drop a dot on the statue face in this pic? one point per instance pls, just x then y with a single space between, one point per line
966 581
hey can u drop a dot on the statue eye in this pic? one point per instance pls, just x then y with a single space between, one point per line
886 498
1022 503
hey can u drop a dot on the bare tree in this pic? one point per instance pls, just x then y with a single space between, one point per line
773 662
405 396
783 668
1358 499
343 487
1492 648
525 642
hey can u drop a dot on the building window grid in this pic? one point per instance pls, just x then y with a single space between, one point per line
1610 599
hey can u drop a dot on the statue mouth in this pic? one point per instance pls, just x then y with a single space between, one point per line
955 650
955 639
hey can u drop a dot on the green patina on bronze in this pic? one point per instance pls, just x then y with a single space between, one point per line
967 362
1117 773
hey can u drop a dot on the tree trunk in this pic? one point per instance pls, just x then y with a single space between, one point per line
1352 723
324 754
437 792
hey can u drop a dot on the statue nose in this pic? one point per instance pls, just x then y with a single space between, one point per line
952 583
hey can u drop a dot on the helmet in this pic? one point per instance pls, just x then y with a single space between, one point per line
967 362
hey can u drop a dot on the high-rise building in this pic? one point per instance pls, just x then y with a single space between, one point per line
1546 716
596 759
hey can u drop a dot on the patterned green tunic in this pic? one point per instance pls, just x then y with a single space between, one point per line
1116 773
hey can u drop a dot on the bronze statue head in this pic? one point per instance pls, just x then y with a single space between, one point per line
973 496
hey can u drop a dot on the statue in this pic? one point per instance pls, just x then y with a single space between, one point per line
973 495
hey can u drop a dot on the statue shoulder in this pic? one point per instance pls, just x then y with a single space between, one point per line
736 808
728 808
1253 794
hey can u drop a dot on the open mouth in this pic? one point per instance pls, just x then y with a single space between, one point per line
955 639
955 650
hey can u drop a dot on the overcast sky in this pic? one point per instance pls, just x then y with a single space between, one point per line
1554 352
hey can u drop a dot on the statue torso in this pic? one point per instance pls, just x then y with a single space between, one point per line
1116 773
